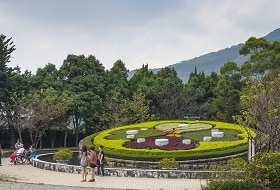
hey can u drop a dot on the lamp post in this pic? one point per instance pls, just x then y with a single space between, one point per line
251 148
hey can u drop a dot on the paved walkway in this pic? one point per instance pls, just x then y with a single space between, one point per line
35 178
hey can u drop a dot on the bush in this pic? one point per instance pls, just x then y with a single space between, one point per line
63 154
231 185
261 173
168 163
274 175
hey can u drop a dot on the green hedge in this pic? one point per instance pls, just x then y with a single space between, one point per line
115 148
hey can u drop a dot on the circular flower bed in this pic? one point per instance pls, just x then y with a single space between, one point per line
117 145
175 143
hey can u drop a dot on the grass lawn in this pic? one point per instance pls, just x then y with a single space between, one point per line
197 134
229 135
121 134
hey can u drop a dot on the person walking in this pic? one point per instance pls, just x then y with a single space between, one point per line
1 154
101 161
83 163
93 163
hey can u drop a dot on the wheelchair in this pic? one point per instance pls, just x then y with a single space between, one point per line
20 159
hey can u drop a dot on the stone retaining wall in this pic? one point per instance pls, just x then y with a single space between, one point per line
199 164
134 169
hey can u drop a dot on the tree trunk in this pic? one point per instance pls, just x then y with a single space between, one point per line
52 138
20 136
40 142
77 138
13 137
65 137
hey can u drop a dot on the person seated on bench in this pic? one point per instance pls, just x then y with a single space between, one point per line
32 153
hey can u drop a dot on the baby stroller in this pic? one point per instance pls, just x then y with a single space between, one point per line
20 159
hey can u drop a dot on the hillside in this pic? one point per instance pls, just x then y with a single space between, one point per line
212 62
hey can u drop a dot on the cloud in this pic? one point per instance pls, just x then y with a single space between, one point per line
158 32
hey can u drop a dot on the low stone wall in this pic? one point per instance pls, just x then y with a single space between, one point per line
127 169
123 172
199 164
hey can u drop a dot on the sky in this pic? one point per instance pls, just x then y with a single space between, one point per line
154 32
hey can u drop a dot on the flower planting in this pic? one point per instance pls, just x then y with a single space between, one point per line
175 143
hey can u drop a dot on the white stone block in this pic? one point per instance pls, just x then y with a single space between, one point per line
207 138
130 136
182 125
218 134
141 140
161 142
144 129
186 141
132 132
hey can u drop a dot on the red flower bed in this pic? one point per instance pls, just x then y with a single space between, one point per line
175 143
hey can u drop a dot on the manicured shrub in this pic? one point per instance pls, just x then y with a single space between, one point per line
63 154
168 163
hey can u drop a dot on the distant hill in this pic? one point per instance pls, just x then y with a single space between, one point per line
212 62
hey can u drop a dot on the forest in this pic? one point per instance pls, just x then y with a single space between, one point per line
57 107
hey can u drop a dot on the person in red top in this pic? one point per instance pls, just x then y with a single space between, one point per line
93 163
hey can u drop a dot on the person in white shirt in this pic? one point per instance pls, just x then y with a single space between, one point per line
21 150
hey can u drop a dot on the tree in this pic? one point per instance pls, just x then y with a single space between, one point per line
6 49
117 78
45 106
123 111
135 110
46 77
18 114
264 58
260 105
138 77
227 92
61 122
199 91
164 92
86 78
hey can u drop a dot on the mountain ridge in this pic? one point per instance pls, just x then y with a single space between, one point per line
213 61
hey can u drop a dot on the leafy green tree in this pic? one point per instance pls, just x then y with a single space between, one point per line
61 121
12 84
117 78
261 110
18 114
6 49
227 92
199 92
264 58
44 107
123 111
140 74
46 77
136 110
164 92
86 78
